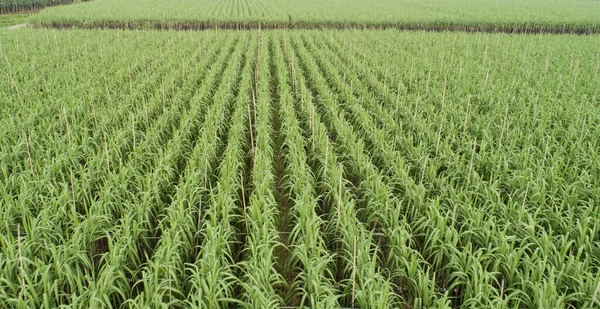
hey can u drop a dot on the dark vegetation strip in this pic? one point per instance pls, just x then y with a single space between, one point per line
429 27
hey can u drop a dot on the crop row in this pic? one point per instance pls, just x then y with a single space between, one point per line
557 16
369 169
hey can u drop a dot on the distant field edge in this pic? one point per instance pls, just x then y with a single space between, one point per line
578 29
28 7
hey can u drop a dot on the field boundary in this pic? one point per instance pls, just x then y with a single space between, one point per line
31 8
202 26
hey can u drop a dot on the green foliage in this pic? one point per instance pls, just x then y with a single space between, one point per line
506 15
417 170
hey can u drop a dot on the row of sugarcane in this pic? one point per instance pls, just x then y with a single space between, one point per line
85 219
155 183
562 17
383 207
509 276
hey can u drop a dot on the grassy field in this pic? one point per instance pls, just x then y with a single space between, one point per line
13 19
324 169
504 15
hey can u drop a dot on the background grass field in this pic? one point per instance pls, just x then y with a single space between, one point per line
553 15
13 19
